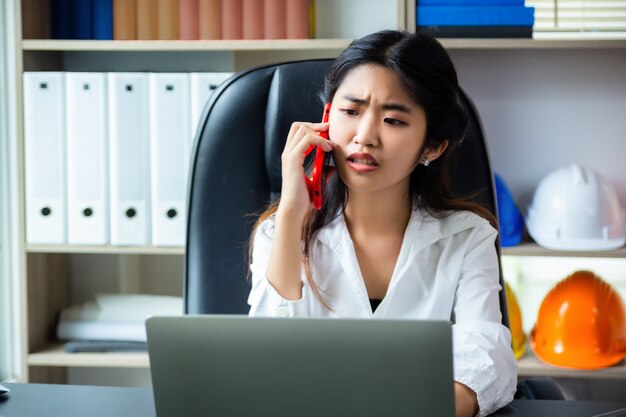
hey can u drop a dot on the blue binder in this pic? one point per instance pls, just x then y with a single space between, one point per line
475 16
103 19
470 2
82 19
60 19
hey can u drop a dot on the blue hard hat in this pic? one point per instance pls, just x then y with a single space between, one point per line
509 216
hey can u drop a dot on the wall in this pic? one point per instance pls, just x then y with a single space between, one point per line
543 109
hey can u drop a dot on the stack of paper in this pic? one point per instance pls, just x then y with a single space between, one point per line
579 15
113 318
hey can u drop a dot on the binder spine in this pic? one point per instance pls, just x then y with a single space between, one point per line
188 15
169 156
87 159
129 164
44 143
210 19
103 19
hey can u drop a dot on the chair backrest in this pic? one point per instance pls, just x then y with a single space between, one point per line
236 171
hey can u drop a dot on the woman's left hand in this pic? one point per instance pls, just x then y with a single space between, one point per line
465 400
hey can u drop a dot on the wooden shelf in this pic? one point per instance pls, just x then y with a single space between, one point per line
581 35
176 46
556 41
523 249
529 365
532 249
553 43
54 355
113 250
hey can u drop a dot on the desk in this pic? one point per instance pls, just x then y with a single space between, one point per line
39 400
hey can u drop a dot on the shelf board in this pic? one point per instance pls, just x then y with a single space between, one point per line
54 355
529 365
532 249
106 249
541 41
523 249
204 45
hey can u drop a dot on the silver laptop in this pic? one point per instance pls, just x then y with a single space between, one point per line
227 366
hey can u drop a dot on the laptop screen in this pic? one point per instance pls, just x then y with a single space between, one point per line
241 366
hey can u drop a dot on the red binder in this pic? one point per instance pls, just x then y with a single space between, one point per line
297 19
232 19
275 19
210 19
188 19
252 19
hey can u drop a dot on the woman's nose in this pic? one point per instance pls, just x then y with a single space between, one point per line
367 132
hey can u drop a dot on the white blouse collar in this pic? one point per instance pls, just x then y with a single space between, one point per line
423 229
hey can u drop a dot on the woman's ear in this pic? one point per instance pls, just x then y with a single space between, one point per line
432 154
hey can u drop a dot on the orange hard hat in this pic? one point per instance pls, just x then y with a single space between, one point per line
515 322
581 324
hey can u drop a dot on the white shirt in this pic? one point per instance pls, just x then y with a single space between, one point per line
447 269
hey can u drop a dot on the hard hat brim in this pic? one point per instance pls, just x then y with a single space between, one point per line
587 244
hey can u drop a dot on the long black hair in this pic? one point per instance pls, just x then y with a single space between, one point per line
426 71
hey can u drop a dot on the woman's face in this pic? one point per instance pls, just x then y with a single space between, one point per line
379 131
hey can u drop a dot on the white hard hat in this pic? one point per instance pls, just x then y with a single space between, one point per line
574 208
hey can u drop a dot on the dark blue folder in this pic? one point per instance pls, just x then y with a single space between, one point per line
82 19
60 19
103 19
470 2
475 16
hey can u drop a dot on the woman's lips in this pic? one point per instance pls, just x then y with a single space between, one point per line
362 162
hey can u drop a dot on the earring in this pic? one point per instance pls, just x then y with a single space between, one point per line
426 162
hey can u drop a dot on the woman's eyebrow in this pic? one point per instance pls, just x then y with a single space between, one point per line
386 106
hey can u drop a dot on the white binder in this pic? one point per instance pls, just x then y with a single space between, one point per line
129 156
203 84
87 158
44 146
169 156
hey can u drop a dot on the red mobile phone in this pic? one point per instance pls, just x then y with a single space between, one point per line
314 183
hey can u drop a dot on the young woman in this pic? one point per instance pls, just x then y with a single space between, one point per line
390 241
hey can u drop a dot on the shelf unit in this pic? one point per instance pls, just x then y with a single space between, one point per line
532 249
523 249
108 249
206 46
45 270
54 355
337 45
528 365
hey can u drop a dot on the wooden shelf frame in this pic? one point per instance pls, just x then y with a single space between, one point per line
164 46
530 366
54 355
106 249
523 249
532 249
553 42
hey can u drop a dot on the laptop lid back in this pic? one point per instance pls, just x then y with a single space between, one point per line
227 366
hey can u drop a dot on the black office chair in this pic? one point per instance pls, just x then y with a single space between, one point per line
236 171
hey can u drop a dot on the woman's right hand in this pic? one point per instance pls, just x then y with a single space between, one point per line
294 197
